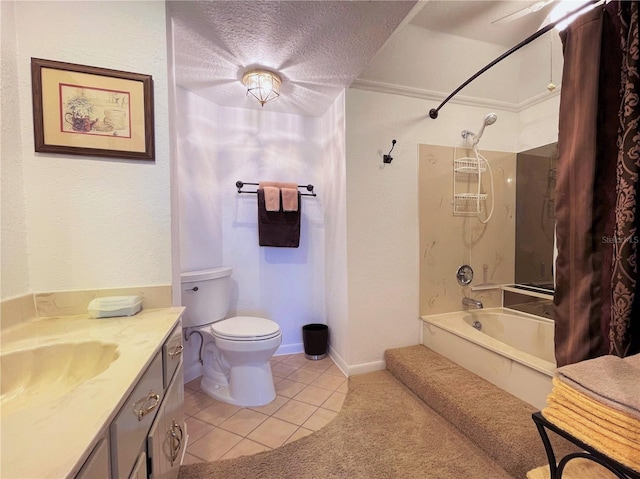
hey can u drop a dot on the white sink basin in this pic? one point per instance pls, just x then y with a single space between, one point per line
33 376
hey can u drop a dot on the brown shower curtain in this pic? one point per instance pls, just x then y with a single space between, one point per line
597 310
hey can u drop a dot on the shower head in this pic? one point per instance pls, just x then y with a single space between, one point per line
489 119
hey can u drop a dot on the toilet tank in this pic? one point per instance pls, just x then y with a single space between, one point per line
205 295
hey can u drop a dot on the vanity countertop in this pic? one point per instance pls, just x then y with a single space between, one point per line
53 438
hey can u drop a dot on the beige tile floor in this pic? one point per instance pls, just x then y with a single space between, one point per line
309 395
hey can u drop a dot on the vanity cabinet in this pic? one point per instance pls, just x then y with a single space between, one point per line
146 436
130 427
167 435
98 463
172 355
140 468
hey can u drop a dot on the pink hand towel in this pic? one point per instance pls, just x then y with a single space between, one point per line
272 198
289 199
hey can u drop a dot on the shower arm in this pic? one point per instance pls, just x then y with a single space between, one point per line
433 113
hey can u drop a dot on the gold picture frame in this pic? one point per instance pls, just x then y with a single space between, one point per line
91 111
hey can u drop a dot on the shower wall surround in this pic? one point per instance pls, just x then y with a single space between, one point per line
448 241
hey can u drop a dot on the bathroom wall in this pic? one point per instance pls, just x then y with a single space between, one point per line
15 266
382 210
368 213
370 210
538 123
448 241
83 222
422 67
335 206
218 146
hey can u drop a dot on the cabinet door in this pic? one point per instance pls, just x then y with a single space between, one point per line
167 439
130 428
98 463
140 468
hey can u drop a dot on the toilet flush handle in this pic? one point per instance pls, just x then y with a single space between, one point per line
195 288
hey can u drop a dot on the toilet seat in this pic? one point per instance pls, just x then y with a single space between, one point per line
245 328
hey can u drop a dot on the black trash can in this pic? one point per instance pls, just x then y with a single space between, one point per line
315 338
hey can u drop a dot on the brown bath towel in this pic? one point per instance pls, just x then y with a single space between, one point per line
278 228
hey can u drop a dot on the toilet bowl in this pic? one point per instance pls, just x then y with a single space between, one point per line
236 351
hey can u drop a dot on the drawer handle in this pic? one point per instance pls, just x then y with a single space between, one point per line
145 407
177 351
176 440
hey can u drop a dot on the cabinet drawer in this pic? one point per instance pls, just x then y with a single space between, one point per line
172 353
130 427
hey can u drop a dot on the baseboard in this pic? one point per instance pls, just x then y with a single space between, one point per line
338 361
367 367
194 371
294 348
350 370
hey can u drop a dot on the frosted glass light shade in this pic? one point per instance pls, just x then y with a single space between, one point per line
262 85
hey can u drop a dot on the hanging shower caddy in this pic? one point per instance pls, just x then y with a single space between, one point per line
465 173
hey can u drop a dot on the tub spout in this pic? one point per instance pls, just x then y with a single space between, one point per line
476 303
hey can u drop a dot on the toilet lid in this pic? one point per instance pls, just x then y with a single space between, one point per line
245 328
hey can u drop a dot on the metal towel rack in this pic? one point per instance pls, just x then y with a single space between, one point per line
241 184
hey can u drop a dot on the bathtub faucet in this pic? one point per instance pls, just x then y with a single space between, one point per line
476 303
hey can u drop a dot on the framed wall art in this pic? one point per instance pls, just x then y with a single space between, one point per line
85 110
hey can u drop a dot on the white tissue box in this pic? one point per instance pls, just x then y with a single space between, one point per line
113 306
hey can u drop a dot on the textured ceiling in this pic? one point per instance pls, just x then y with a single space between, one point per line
318 47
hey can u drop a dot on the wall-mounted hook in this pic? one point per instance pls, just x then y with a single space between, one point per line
387 158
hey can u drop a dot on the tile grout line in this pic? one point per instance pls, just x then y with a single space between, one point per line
296 366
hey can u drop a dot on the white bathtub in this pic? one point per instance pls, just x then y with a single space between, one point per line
512 350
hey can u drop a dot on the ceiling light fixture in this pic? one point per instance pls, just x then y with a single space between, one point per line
262 85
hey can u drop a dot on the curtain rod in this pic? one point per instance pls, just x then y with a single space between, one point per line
433 113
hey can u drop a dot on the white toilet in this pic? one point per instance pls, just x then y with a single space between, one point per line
235 352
